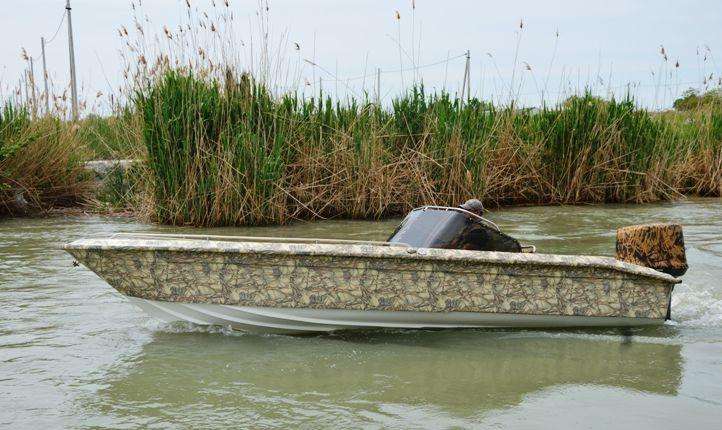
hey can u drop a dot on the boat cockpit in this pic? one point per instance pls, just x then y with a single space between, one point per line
461 227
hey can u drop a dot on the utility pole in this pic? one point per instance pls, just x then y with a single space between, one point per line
468 75
45 77
31 80
466 82
27 92
378 86
71 50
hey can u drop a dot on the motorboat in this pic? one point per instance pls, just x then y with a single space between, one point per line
443 267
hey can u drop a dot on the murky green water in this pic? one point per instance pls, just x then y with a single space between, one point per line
73 353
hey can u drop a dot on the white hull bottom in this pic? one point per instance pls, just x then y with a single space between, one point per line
290 321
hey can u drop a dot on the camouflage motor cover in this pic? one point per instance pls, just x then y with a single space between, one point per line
659 246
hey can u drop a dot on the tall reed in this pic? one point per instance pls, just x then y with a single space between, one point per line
40 163
224 151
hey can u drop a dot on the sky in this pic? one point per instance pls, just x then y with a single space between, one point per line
521 50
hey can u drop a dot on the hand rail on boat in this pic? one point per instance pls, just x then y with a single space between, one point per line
464 211
259 239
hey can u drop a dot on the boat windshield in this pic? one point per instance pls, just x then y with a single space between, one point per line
452 228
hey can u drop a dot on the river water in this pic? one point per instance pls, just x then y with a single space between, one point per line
74 353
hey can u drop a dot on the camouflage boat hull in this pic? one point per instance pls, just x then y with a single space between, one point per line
297 287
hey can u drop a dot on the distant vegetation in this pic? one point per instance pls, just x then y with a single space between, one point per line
693 100
110 137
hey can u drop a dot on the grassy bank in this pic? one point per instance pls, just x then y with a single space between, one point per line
226 152
40 163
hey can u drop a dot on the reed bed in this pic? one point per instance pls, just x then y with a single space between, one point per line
40 163
225 151
115 136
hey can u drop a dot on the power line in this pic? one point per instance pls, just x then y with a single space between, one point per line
57 30
424 66
406 69
60 24
628 85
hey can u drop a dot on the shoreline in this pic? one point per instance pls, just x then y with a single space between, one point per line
87 211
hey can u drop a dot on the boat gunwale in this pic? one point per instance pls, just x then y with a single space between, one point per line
259 239
368 250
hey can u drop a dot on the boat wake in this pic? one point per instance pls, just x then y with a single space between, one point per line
697 306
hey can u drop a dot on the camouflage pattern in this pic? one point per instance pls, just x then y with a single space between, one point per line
367 277
659 246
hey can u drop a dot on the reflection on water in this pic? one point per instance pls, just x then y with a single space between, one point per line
454 373
74 353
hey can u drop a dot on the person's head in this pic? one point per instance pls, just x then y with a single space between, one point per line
474 206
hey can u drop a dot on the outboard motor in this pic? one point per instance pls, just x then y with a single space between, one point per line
659 246
454 228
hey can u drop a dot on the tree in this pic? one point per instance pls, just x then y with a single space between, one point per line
692 100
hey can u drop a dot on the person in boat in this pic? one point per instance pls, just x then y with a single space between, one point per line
453 228
474 206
